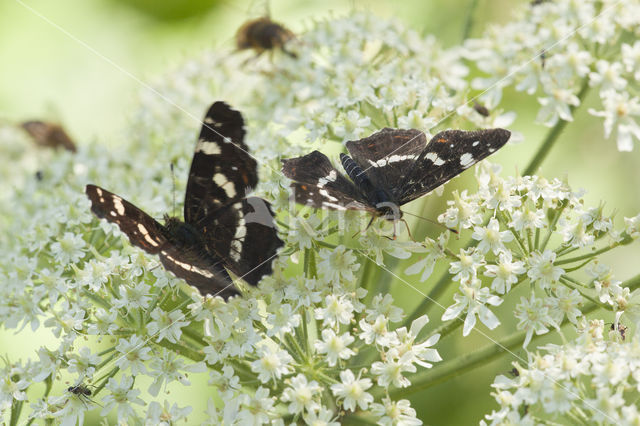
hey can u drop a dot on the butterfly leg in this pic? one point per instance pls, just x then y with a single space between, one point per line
363 230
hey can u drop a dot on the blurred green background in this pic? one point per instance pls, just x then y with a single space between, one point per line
83 62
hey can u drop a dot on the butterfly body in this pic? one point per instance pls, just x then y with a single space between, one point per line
223 228
389 169
385 205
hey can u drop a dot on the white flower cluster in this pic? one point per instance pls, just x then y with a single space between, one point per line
540 231
588 381
557 50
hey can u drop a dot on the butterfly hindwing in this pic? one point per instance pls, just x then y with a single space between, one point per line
387 155
193 264
448 154
319 184
222 171
245 235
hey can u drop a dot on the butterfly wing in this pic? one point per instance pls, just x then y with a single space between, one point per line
245 235
317 183
190 263
143 230
387 155
448 154
222 171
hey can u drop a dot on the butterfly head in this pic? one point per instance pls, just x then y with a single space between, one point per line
389 211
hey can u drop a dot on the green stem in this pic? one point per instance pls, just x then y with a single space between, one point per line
585 256
111 374
310 269
16 409
182 349
575 285
552 226
469 22
551 138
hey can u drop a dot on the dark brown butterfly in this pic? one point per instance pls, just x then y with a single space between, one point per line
49 134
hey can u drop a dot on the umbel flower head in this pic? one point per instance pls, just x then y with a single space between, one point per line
322 340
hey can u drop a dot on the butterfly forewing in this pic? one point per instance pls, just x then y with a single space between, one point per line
222 171
319 184
143 230
386 156
448 154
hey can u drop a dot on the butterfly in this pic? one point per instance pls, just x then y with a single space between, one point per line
263 34
49 134
388 169
222 229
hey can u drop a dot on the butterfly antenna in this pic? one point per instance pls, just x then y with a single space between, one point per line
173 181
455 231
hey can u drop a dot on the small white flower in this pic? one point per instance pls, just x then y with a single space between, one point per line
473 297
336 310
377 332
395 413
166 325
68 249
337 264
302 395
133 354
470 261
335 346
122 397
505 272
167 414
491 238
534 317
272 364
352 391
541 269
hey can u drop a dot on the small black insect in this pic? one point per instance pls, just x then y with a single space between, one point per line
388 169
49 134
622 329
481 109
263 34
79 390
222 229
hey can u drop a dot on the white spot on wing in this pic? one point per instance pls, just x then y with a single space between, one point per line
391 159
238 238
187 267
222 182
331 177
208 148
476 143
333 206
146 235
437 161
466 160
326 194
117 203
